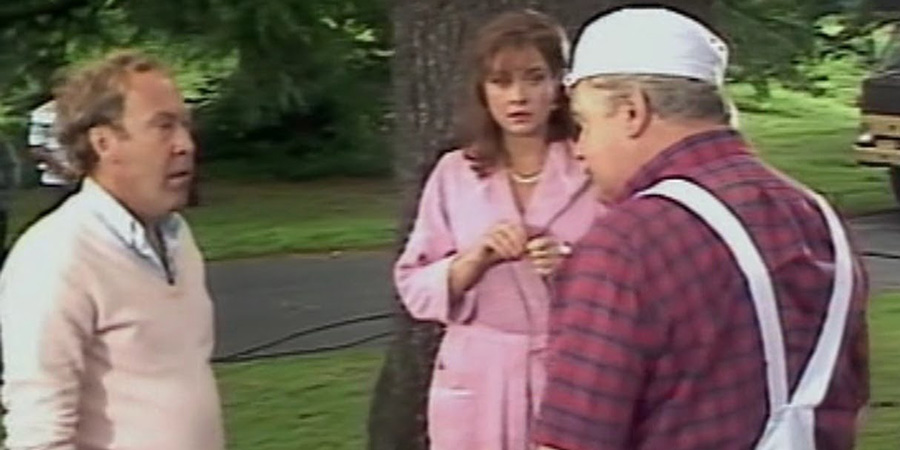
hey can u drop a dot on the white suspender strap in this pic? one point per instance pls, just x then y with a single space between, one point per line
791 423
819 370
718 217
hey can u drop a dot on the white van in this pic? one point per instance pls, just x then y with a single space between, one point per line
52 162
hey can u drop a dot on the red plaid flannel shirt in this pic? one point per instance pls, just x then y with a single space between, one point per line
655 341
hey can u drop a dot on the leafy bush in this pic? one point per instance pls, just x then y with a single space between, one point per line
291 89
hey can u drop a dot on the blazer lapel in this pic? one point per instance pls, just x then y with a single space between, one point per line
562 181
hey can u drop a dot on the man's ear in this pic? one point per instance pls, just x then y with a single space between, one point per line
638 112
100 140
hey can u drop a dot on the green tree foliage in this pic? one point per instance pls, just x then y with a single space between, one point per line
298 88
307 97
777 39
292 88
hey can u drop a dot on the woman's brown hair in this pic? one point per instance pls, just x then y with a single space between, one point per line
511 30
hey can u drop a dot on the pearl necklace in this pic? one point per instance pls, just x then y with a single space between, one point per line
524 179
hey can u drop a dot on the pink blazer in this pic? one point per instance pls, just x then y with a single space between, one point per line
457 208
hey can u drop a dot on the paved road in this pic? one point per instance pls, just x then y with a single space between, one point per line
261 300
880 234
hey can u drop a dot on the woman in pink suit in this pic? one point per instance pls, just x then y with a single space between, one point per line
495 220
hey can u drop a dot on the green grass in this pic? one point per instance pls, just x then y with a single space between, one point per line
805 137
299 403
322 402
239 220
248 220
883 430
811 140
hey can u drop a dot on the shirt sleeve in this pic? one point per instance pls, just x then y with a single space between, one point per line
422 272
860 341
602 336
45 321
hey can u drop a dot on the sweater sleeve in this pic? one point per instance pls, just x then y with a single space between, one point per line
45 321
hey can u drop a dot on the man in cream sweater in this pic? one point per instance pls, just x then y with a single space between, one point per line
107 325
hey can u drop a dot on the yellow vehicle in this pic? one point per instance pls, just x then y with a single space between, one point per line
879 141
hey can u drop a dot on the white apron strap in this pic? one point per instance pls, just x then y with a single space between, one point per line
718 217
791 422
820 368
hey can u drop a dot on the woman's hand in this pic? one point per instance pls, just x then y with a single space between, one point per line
546 254
503 242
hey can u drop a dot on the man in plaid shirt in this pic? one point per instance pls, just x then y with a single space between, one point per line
656 341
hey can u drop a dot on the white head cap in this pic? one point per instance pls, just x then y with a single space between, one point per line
648 41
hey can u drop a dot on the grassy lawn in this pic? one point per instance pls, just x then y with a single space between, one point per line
244 220
299 403
808 138
322 402
238 220
811 139
883 431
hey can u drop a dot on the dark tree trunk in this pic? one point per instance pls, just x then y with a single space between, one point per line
429 36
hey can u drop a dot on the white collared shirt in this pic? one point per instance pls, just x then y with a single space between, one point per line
130 231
